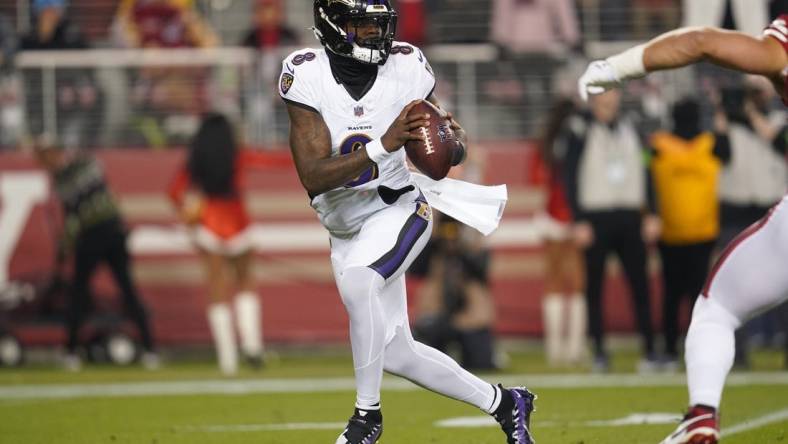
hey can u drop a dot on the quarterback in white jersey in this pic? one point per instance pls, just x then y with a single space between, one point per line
307 80
348 105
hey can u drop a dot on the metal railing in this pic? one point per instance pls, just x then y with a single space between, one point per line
154 98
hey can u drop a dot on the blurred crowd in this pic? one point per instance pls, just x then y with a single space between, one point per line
538 45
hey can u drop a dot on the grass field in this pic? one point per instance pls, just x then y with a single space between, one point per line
307 398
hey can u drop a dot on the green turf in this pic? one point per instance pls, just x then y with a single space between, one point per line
410 415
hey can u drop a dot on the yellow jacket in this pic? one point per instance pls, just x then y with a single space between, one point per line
686 174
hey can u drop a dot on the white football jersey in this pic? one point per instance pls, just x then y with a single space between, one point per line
306 80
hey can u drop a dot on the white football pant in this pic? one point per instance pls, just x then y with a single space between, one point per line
369 270
750 277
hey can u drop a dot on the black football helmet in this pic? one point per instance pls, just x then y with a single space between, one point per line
332 18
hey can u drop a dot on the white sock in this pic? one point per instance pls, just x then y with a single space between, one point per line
360 288
709 351
576 331
220 323
248 317
438 372
553 320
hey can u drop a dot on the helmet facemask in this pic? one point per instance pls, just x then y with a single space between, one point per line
339 27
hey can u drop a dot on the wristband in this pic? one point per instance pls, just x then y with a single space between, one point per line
629 64
375 151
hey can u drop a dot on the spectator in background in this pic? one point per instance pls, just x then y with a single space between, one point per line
535 36
685 169
534 26
268 33
52 28
93 233
79 101
162 24
454 301
564 313
167 100
756 176
214 171
269 30
608 190
748 16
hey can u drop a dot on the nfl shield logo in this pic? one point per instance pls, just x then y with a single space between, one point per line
358 111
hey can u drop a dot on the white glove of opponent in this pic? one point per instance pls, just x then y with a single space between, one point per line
602 75
598 78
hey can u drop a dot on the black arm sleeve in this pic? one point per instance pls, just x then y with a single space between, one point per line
722 147
574 149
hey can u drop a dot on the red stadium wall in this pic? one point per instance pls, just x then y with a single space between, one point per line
299 299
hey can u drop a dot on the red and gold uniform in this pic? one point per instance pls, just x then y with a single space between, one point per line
778 30
223 220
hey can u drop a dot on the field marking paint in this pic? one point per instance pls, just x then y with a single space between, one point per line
638 419
265 427
756 423
633 419
314 385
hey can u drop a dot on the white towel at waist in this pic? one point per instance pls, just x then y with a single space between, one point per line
478 206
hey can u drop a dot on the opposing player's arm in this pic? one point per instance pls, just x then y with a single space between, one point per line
310 143
756 55
462 136
731 49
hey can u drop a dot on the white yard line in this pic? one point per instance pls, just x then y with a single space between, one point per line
635 419
264 427
314 385
756 423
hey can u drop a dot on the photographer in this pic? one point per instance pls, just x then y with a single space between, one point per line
454 302
755 177
93 233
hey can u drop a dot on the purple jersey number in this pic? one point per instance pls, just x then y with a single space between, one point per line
353 143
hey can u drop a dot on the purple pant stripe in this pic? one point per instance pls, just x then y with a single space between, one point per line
394 258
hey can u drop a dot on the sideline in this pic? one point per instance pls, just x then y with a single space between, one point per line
318 385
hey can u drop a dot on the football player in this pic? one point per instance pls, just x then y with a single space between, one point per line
348 105
749 277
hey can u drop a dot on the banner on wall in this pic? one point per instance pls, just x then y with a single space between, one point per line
292 263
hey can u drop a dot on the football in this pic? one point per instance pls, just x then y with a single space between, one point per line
434 155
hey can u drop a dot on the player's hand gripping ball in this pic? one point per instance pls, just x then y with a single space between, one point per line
440 148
